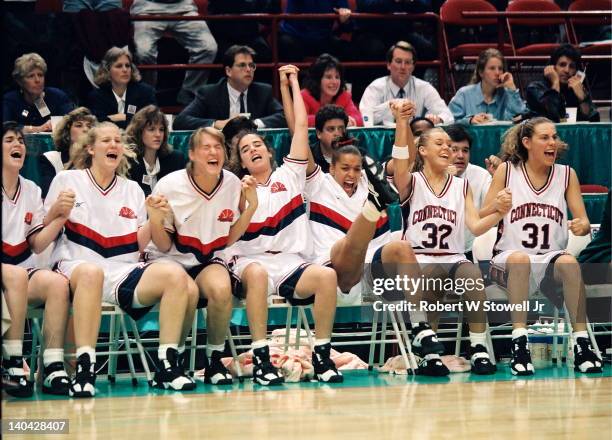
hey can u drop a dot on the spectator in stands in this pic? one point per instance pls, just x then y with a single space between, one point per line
419 125
33 105
233 128
330 126
148 134
192 35
491 94
400 84
65 137
236 94
121 93
228 33
325 85
300 38
560 88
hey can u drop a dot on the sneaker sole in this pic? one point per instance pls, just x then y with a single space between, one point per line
335 379
55 392
278 381
81 395
589 370
521 373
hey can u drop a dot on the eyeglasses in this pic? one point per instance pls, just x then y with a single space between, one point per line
243 66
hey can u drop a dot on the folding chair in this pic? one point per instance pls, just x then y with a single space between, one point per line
451 15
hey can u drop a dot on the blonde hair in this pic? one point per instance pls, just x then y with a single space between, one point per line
82 159
25 64
422 141
61 133
112 55
194 141
513 149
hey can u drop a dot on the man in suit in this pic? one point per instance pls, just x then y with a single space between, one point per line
216 104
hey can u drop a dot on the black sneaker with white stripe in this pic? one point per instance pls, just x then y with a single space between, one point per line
83 384
215 372
425 341
325 369
55 379
585 358
520 364
264 373
14 380
480 360
170 374
380 192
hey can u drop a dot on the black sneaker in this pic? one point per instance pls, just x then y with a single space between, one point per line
425 341
14 380
380 192
171 375
83 384
432 365
585 359
480 361
55 379
325 369
521 364
264 373
216 373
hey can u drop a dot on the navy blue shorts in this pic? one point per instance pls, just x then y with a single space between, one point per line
125 294
287 288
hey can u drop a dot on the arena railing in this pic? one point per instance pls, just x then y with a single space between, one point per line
275 20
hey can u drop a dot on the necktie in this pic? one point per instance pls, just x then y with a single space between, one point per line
121 106
242 107
401 94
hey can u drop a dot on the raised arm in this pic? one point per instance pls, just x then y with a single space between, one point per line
299 141
579 225
404 149
286 97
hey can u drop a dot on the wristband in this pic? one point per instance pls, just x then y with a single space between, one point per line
400 152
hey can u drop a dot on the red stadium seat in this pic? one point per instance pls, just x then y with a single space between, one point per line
48 6
534 6
593 189
451 15
604 48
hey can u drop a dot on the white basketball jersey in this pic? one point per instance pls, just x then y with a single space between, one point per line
434 224
22 216
104 222
200 221
537 222
280 223
332 212
479 180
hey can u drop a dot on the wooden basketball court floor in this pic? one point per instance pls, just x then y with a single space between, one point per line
556 403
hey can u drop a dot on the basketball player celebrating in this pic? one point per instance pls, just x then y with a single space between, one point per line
23 284
530 249
279 230
98 251
207 209
347 218
436 207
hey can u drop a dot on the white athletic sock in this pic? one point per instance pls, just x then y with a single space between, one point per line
582 334
163 349
12 347
259 344
210 348
51 355
319 342
89 350
370 212
181 349
478 339
518 332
